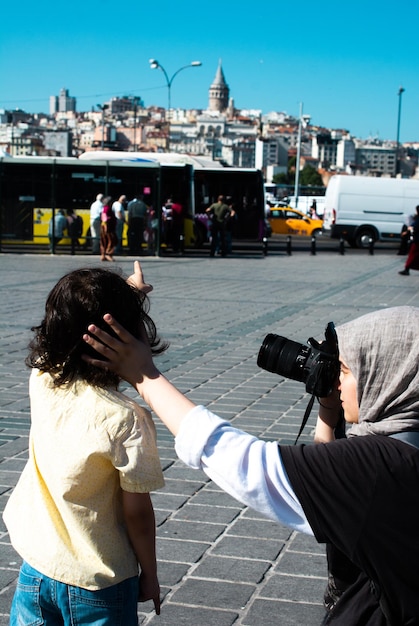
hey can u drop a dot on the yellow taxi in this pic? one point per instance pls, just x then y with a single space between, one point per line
287 221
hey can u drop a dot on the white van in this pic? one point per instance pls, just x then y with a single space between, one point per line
360 208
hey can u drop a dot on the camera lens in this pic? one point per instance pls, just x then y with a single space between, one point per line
283 356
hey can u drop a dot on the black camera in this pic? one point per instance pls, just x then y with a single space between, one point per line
315 364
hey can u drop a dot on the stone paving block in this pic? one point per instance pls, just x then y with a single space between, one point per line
6 597
182 487
248 547
171 573
280 613
294 588
203 513
8 578
161 516
305 543
222 595
215 498
8 478
181 471
178 614
259 528
167 502
232 569
14 447
13 465
8 556
195 531
180 550
304 562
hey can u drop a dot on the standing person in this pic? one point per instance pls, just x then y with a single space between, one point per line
107 231
81 516
56 229
95 221
359 494
230 219
313 210
75 229
167 220
219 212
412 261
137 217
178 225
118 208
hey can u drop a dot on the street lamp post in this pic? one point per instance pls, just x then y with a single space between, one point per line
103 107
135 126
303 120
399 93
154 65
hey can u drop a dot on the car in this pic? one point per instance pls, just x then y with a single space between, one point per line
287 221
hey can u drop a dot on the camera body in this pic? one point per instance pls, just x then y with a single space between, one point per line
315 364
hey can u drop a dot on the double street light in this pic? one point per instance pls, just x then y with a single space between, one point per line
155 65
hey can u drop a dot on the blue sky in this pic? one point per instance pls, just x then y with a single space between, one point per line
344 61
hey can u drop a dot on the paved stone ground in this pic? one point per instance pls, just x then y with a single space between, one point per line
220 562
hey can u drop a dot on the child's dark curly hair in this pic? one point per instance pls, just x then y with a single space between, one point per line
80 298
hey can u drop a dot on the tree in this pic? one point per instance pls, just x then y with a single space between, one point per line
280 179
289 177
309 176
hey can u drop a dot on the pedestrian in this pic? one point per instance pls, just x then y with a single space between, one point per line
167 222
137 219
75 229
81 516
118 208
230 221
151 231
56 229
219 213
108 238
313 210
177 226
95 221
412 261
358 493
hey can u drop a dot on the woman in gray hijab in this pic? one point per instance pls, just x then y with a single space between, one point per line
380 350
359 494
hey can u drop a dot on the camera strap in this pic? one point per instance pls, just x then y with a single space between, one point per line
306 416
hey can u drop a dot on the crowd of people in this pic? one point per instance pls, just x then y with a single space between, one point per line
141 222
112 221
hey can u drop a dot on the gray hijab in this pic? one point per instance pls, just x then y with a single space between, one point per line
382 351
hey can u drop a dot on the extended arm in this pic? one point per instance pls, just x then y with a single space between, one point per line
141 527
247 468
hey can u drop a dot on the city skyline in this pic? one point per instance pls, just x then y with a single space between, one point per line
345 65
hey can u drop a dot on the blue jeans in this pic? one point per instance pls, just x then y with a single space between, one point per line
42 600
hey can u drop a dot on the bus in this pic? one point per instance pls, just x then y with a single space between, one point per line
32 189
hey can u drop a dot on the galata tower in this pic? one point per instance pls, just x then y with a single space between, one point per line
219 92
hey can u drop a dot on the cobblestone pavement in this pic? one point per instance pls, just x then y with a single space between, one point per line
220 563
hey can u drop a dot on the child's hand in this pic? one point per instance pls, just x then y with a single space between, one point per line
137 279
125 355
149 589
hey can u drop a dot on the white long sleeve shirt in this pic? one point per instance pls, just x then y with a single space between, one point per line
247 468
